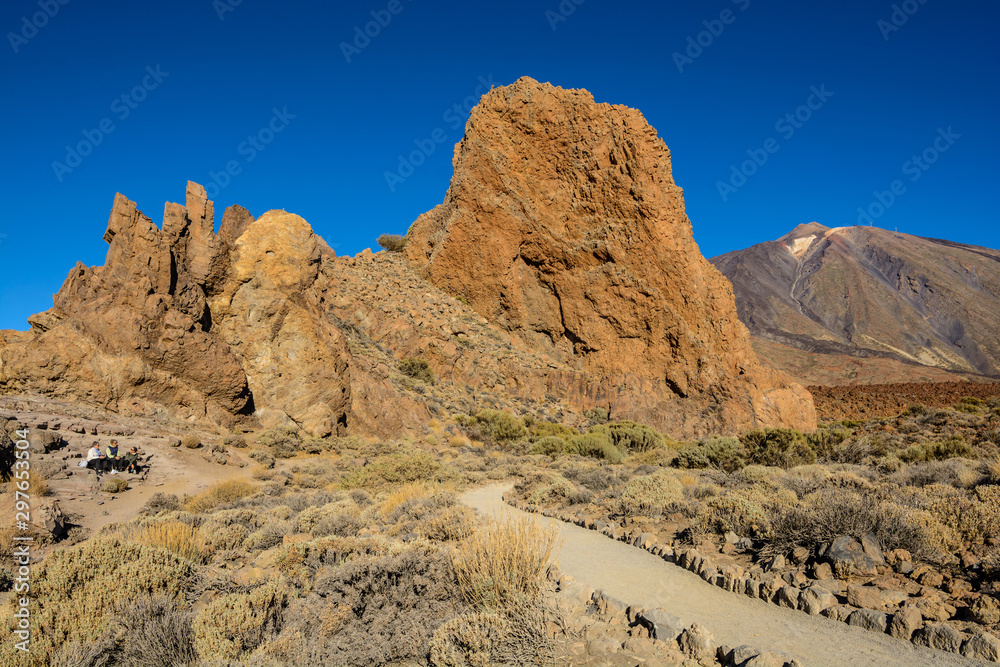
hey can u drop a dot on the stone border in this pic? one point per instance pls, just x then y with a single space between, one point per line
813 599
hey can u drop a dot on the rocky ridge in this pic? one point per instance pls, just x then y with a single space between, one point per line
569 282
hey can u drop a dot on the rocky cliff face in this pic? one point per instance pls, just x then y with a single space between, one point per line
869 293
563 226
217 327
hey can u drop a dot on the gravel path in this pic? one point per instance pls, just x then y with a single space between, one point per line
638 577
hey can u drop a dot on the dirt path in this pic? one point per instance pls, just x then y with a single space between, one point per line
638 577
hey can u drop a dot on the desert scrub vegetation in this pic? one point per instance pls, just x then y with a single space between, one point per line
392 242
221 493
651 494
77 589
399 468
114 485
503 564
494 426
417 368
233 625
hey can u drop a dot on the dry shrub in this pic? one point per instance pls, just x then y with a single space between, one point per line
745 511
398 468
392 242
958 473
76 589
371 609
191 441
156 634
484 638
991 469
832 512
651 493
114 485
221 494
503 564
453 523
235 624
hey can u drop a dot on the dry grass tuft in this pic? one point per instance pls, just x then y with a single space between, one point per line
406 493
176 537
220 494
503 564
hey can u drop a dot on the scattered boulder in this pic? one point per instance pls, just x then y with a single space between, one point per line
905 622
986 610
696 642
982 646
815 599
847 557
940 636
869 619
662 625
49 516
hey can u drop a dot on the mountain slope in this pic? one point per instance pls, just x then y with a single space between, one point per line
869 292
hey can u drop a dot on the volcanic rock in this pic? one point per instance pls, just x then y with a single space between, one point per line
563 225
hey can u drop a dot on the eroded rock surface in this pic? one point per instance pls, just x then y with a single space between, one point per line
564 226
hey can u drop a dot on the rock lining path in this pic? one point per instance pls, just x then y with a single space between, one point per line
635 576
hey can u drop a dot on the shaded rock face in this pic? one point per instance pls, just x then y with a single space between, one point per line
211 326
564 226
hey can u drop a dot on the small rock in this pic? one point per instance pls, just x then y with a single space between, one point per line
986 610
731 537
662 626
931 578
765 659
847 557
940 636
696 642
839 612
865 597
869 619
822 571
815 599
800 555
788 596
604 645
905 622
983 646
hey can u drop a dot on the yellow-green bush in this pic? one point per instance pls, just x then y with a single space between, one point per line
398 469
783 447
76 589
417 368
236 624
630 437
551 445
595 445
724 453
652 493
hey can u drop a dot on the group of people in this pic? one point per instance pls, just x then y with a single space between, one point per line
112 460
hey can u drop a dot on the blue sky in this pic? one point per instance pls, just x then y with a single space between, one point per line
156 93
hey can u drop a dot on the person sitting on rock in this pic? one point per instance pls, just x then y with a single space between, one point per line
114 458
96 460
131 460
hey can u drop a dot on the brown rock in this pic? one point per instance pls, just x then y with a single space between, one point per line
563 225
905 622
986 610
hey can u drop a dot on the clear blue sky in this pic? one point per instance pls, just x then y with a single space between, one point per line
211 84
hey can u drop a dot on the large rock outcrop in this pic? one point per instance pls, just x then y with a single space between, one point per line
211 327
564 226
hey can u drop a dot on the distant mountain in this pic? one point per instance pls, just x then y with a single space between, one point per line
909 304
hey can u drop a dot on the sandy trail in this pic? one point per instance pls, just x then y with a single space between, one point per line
638 577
